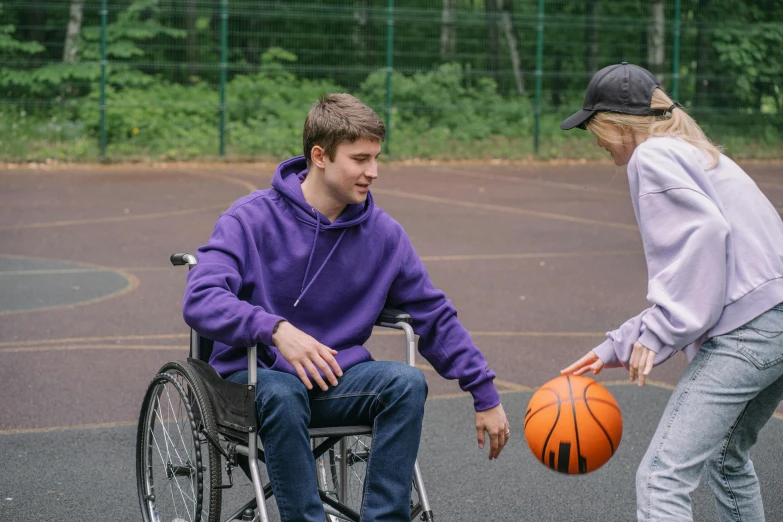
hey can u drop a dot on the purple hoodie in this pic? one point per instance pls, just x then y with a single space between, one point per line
272 257
714 249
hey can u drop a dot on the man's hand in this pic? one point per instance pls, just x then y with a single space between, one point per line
305 353
495 423
589 362
641 363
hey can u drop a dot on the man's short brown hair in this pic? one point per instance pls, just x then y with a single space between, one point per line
339 118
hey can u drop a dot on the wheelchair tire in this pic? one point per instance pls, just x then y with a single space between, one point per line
178 471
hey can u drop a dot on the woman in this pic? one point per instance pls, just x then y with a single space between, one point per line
714 250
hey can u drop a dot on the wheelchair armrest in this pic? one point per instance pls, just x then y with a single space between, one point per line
392 316
183 259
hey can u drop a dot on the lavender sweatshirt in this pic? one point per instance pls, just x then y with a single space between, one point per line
714 249
271 250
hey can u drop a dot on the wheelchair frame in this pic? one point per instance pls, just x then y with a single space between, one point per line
230 437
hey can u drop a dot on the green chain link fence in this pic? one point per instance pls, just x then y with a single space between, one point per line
86 80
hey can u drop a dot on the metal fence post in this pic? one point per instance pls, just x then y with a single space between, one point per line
676 57
223 72
389 68
104 14
539 73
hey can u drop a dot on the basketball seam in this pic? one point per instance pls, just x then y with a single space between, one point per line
559 401
587 405
549 435
576 423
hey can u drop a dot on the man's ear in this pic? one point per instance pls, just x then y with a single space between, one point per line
317 155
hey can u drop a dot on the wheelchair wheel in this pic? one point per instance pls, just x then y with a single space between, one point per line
178 470
357 454
330 479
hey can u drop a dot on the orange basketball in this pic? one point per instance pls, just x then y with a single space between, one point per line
573 424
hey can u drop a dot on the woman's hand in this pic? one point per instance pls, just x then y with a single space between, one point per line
641 363
589 362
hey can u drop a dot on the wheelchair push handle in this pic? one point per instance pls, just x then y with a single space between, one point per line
183 259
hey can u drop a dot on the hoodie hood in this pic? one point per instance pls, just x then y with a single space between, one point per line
288 180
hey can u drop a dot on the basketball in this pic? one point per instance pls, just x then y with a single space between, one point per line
573 425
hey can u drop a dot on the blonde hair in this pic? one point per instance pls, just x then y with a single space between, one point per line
611 126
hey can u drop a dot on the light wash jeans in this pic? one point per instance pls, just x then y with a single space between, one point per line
726 395
388 396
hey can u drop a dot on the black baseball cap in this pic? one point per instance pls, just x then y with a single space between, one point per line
623 88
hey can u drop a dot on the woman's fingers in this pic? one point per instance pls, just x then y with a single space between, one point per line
633 363
647 361
586 360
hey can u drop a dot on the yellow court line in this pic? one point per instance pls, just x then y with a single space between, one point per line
113 219
455 257
55 271
133 284
539 182
104 347
491 257
49 429
510 210
442 396
250 187
70 340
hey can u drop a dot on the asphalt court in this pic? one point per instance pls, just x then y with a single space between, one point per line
539 260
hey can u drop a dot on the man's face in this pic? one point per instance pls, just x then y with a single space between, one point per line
355 166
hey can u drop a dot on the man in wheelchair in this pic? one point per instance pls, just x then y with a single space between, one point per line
303 270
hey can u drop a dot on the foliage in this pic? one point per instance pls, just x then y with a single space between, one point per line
758 52
164 70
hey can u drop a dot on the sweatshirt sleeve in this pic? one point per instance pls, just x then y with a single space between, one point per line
684 236
443 341
211 305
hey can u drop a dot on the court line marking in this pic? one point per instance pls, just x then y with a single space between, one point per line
132 280
492 257
103 347
250 187
442 396
455 257
502 208
52 271
68 340
532 181
112 219
88 343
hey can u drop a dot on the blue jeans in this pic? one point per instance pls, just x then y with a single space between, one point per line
726 395
388 396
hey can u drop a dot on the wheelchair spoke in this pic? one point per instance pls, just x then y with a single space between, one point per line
179 428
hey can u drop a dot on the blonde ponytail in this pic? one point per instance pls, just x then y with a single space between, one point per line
612 126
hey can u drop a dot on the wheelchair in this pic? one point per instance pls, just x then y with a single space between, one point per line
196 428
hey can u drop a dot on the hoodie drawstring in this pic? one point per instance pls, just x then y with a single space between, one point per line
312 252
